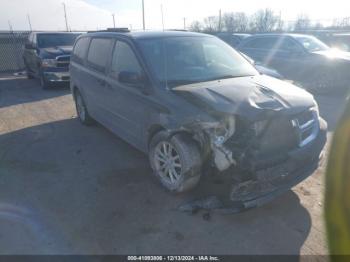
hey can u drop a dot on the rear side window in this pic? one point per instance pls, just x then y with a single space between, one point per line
124 59
99 53
261 43
80 49
289 45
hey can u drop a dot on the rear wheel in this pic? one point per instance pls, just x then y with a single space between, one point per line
82 112
175 161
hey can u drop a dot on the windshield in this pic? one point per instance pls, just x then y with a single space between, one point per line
182 60
53 40
311 44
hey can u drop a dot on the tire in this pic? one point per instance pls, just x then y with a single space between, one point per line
82 112
183 172
43 83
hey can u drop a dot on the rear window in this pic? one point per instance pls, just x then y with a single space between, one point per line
99 52
80 49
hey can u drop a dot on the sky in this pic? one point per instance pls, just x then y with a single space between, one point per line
97 14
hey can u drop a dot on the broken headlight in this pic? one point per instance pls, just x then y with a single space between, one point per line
224 131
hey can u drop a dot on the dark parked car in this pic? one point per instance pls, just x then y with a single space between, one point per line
46 56
263 69
301 58
187 100
233 39
339 40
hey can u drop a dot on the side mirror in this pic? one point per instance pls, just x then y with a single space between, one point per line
132 78
29 46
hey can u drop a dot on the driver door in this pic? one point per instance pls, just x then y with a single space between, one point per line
128 104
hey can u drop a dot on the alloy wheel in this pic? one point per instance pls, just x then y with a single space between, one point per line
168 162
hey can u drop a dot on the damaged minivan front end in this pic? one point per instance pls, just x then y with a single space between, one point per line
193 103
275 139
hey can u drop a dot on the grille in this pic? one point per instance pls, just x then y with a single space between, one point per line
307 127
281 135
63 61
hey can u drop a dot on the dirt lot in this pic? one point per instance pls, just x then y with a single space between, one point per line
66 188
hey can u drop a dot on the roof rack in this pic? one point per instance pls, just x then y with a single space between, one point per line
117 30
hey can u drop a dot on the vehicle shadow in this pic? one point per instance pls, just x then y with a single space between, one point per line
88 192
19 90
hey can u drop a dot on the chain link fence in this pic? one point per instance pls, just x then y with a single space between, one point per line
11 51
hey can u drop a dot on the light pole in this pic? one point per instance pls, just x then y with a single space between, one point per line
161 10
220 20
30 24
10 26
65 15
113 20
143 15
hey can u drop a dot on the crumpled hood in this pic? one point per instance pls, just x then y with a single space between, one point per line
334 54
252 97
58 50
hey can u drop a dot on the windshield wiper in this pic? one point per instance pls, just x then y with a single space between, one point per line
179 82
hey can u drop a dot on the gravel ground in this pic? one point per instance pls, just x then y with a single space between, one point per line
70 189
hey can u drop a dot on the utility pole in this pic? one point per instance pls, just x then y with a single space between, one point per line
184 23
113 20
161 10
65 15
30 24
220 20
143 15
10 26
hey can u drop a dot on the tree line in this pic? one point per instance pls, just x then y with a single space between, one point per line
263 20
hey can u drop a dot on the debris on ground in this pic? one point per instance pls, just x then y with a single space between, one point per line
212 204
207 203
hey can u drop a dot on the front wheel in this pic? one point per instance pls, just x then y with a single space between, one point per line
43 82
175 161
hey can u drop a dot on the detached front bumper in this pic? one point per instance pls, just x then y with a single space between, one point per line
272 182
